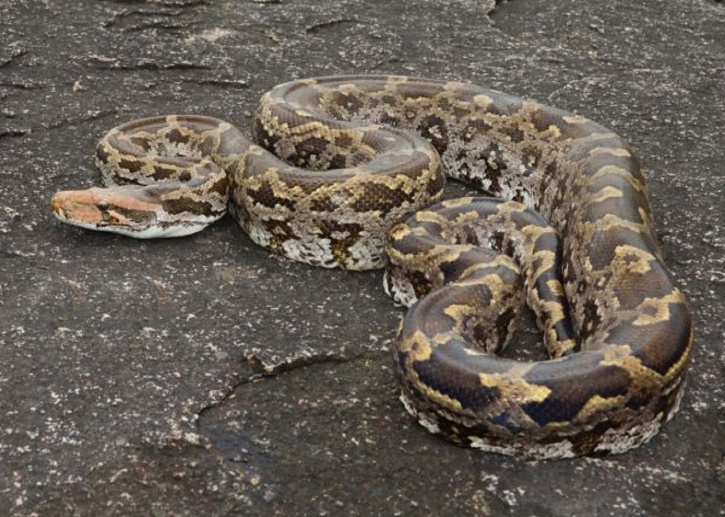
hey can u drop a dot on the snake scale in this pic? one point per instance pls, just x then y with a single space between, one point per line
336 178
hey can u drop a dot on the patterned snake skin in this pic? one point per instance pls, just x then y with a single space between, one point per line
348 186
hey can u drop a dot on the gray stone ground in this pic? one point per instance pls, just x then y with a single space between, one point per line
131 376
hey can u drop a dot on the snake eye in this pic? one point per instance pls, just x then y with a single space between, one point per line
102 205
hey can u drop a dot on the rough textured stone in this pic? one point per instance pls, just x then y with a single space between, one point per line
205 376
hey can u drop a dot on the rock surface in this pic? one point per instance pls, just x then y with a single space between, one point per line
206 376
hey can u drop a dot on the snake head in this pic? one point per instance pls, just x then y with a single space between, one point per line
123 210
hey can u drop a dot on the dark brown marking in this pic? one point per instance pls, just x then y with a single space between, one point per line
132 166
181 205
570 394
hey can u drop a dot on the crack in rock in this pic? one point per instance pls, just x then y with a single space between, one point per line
262 369
82 119
141 13
12 132
103 62
226 83
303 359
166 3
322 26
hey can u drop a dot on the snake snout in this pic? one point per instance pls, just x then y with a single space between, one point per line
58 205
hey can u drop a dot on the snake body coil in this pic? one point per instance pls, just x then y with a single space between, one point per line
572 237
